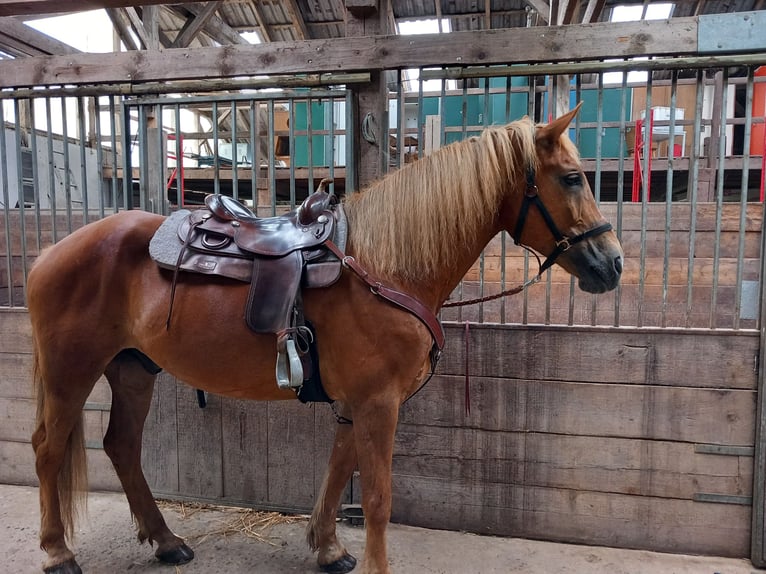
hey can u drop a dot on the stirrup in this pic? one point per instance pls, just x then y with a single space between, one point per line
289 367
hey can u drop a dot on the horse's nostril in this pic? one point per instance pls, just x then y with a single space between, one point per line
618 264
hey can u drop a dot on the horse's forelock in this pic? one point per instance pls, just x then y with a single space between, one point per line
401 224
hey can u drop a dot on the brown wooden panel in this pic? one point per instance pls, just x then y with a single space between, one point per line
17 421
15 375
605 464
614 410
245 450
15 331
291 455
200 465
160 456
630 356
565 515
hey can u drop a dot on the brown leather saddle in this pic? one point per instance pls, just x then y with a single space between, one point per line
279 256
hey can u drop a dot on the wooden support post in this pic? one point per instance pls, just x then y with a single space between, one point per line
370 101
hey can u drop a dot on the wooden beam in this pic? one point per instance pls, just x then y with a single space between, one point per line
138 26
487 14
674 37
121 24
194 25
29 41
151 21
217 28
291 6
571 9
27 7
262 26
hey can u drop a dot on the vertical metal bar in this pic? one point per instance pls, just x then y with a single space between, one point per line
719 190
272 158
127 160
482 256
234 152
21 200
255 161
83 159
504 234
694 182
113 142
463 131
621 147
143 158
67 179
578 133
6 209
35 175
743 196
310 141
401 122
421 115
161 195
216 153
332 143
291 140
51 168
180 200
350 145
669 200
648 136
99 156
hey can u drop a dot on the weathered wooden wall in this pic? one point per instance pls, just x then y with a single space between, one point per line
577 434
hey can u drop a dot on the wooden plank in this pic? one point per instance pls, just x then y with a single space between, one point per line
628 357
684 414
16 375
160 448
291 455
245 450
565 515
15 331
585 463
676 36
17 421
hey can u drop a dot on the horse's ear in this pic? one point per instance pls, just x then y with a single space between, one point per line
549 134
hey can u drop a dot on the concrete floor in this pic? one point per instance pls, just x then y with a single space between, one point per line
106 544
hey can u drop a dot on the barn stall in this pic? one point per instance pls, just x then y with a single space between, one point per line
630 419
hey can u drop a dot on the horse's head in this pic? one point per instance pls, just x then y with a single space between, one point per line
557 215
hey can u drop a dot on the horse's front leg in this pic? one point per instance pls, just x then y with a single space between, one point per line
374 427
320 533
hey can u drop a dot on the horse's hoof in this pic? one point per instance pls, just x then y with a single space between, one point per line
68 567
345 563
179 555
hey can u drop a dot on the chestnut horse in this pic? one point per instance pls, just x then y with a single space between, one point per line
97 294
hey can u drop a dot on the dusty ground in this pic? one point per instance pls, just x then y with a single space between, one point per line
106 544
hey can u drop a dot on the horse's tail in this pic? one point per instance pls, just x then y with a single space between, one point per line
73 474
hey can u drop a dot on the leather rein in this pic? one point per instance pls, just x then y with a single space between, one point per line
563 243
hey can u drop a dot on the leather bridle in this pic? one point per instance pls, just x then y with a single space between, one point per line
563 243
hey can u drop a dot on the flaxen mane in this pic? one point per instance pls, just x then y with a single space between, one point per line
441 199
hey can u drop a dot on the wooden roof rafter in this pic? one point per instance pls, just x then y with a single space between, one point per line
214 26
301 30
265 32
122 26
194 24
18 39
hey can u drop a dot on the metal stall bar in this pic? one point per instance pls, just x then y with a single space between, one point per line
291 147
35 181
67 178
719 190
743 197
272 158
620 184
216 152
99 154
115 159
6 212
21 199
669 199
693 193
234 153
51 169
83 168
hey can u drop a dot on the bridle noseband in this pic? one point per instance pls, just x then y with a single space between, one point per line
563 243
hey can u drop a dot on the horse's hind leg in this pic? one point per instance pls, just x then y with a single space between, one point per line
60 462
132 387
320 533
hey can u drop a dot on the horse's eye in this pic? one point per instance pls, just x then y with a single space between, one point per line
573 180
